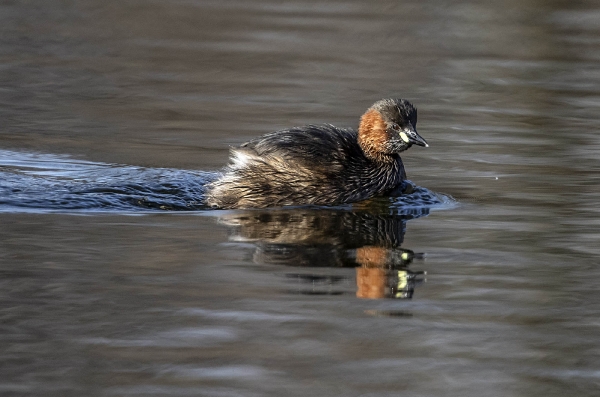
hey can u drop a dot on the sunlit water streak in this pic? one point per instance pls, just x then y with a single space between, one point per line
31 182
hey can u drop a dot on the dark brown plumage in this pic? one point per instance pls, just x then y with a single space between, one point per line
321 165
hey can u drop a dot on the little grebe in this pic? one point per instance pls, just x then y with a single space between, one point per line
321 164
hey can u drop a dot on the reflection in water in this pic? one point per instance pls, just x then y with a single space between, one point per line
365 235
318 238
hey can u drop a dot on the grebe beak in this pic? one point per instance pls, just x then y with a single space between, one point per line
410 135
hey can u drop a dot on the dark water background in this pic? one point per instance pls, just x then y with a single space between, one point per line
148 95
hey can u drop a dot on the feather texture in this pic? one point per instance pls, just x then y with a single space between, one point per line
318 164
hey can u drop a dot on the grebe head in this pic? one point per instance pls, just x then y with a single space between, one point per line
389 127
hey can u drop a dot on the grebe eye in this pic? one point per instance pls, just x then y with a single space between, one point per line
395 126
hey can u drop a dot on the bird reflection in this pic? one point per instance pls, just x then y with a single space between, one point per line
367 237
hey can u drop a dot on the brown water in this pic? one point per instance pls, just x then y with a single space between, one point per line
150 94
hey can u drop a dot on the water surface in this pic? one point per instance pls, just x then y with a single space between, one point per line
119 292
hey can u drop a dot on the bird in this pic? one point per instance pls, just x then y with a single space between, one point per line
320 164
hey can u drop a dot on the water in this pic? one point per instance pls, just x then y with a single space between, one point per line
42 183
114 280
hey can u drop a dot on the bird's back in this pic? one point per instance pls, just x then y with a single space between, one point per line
323 146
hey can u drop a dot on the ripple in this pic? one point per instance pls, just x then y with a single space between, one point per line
47 183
